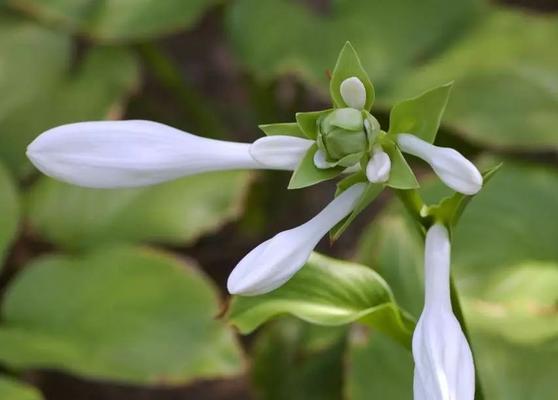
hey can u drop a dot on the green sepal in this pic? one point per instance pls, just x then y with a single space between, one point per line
348 65
370 193
420 115
308 122
401 176
307 174
283 128
449 210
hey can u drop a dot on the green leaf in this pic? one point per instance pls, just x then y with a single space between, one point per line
317 353
420 115
328 292
377 364
121 314
116 20
308 122
95 90
284 128
401 176
348 65
13 390
307 174
176 212
9 214
505 78
390 36
372 191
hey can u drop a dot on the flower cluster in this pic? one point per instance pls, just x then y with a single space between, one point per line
345 140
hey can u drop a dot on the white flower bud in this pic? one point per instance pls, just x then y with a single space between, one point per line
276 260
444 368
379 166
353 92
453 169
320 160
280 152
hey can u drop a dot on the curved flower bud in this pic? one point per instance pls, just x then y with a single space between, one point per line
320 160
110 154
444 368
453 169
353 92
276 260
379 166
280 152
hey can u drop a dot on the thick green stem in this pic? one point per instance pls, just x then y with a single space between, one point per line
195 105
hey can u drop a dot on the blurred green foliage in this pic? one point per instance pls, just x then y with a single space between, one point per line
103 305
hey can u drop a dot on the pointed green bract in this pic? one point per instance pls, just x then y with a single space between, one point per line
348 65
400 176
420 115
308 122
283 128
307 174
328 292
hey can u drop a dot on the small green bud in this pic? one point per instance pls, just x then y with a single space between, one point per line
342 136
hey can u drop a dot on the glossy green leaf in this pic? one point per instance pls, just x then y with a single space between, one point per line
505 82
389 36
284 128
348 65
122 314
95 90
307 174
176 212
116 20
401 176
328 292
378 365
296 360
9 214
308 122
420 115
13 390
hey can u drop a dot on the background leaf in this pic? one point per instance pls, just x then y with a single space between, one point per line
176 212
13 390
121 314
327 292
9 212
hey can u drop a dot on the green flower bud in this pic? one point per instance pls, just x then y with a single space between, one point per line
342 136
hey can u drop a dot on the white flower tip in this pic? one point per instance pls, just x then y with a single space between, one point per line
279 151
320 160
353 92
379 167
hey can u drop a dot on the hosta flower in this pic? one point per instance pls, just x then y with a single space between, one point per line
444 368
276 260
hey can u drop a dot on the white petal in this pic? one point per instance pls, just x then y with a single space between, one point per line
453 169
281 152
444 368
276 260
110 154
379 167
353 92
320 160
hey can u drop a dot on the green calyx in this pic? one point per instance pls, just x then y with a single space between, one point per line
345 135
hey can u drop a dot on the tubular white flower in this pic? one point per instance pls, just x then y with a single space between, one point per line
276 260
379 166
453 169
353 92
110 154
280 152
444 368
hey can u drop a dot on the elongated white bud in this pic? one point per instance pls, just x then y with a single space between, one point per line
444 368
353 92
276 260
379 166
110 154
453 169
280 152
